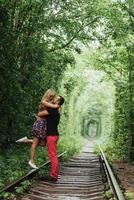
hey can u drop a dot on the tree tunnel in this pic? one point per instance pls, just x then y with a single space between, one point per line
93 128
89 102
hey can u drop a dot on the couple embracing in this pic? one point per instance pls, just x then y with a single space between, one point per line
45 131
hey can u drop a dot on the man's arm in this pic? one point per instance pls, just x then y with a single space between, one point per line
50 105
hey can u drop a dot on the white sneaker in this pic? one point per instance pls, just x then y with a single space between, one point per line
32 165
22 139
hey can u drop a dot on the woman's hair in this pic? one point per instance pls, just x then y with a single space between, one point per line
49 96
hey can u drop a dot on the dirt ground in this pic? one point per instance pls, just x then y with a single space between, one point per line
125 174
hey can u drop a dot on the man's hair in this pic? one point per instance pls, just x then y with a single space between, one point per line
61 100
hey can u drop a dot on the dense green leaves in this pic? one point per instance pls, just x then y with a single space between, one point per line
36 42
115 56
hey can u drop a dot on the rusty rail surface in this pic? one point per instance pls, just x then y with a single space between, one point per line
110 176
29 175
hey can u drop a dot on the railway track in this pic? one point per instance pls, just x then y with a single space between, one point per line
82 177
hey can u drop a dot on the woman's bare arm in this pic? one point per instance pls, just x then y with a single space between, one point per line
50 105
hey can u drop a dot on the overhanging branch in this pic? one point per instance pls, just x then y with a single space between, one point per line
75 36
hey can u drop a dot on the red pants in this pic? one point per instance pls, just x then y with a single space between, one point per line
52 153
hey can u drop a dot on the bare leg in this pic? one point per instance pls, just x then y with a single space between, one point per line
33 149
30 141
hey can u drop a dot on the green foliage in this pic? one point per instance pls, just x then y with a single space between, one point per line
129 195
7 196
25 185
20 190
86 101
109 194
71 144
115 56
31 59
122 134
36 42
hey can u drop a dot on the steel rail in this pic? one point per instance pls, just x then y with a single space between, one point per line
29 175
110 176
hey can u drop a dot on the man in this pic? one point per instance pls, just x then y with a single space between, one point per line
53 117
